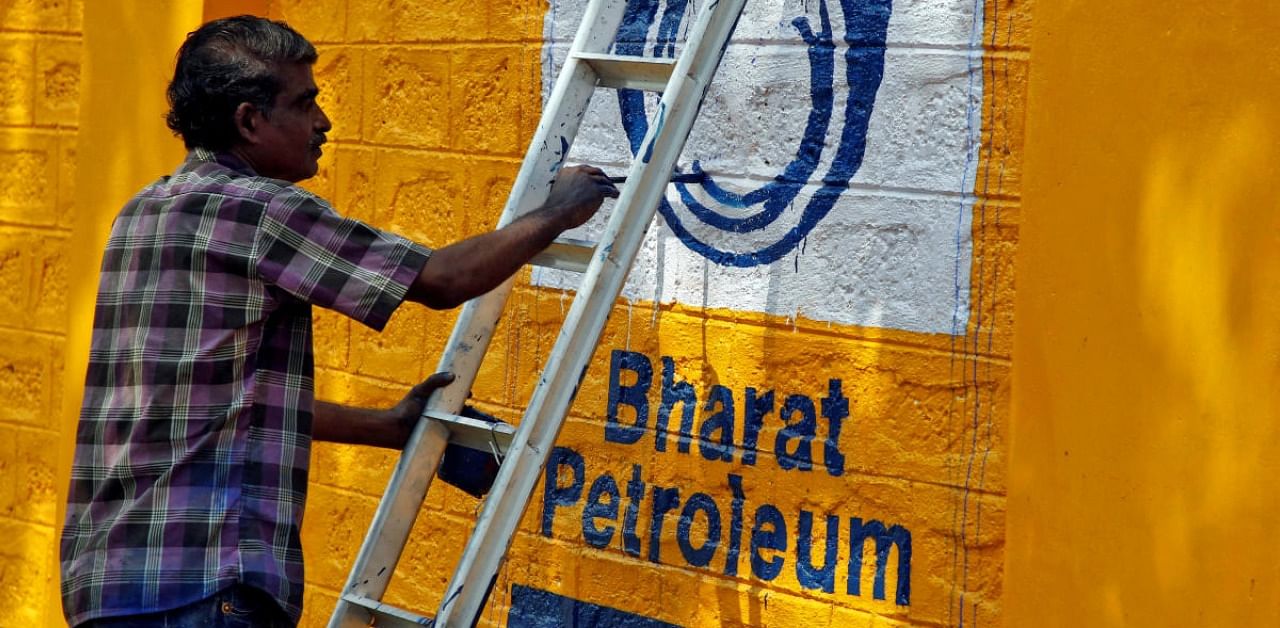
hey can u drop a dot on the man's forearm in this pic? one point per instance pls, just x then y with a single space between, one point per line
469 268
357 426
472 267
381 428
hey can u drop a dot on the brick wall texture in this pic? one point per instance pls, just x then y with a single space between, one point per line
39 100
807 433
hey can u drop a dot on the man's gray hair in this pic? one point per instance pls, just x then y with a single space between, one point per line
224 63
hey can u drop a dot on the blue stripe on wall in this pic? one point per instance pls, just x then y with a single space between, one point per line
535 608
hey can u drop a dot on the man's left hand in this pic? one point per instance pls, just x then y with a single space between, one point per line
405 415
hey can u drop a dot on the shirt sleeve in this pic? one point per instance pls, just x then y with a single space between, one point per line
308 250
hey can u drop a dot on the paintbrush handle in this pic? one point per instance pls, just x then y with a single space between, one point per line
676 178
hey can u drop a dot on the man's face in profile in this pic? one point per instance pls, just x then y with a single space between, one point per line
290 137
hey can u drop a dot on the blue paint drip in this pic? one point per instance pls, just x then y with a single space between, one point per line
866 25
657 131
564 154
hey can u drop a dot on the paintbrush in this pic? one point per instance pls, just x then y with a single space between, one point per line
692 177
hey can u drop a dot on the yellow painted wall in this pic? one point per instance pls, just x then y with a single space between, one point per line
40 47
1147 389
56 113
1139 450
432 106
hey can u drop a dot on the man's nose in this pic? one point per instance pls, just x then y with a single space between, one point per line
323 124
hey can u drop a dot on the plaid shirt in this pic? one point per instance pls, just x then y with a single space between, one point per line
190 471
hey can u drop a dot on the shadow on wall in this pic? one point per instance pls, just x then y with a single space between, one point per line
122 145
1146 438
1207 255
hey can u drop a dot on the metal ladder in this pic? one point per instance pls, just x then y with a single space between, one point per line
683 83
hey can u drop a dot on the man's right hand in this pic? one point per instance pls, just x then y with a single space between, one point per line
577 193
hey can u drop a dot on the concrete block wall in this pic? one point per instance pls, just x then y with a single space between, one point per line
39 99
432 110
1145 335
754 521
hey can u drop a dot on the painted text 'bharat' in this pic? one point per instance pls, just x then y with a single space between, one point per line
793 446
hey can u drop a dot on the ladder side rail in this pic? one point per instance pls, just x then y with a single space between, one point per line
469 588
406 490
547 152
412 476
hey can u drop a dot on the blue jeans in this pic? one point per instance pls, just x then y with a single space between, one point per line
236 607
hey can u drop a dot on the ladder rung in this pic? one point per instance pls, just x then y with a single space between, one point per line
385 615
566 254
628 72
476 434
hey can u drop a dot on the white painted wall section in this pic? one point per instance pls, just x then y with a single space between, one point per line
893 248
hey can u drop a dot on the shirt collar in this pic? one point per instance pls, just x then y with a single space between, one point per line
227 159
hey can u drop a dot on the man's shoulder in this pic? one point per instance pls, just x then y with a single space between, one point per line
215 180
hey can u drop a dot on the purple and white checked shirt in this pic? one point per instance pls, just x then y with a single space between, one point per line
190 471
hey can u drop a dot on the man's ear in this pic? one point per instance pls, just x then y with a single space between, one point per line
247 119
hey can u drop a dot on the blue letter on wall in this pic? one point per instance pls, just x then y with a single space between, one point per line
801 432
595 508
699 556
635 395
674 392
811 577
769 533
885 539
554 495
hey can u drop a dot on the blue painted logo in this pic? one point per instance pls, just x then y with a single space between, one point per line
865 26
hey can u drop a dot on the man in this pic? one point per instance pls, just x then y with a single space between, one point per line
190 471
